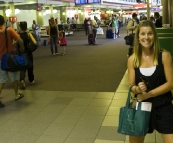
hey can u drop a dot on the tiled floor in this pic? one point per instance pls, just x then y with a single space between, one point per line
65 117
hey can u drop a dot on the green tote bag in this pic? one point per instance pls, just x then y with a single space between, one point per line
131 121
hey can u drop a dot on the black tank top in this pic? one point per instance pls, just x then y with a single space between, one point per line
155 80
25 39
53 30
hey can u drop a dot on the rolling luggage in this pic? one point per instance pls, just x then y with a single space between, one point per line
91 39
109 34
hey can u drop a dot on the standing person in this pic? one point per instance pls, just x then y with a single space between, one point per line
131 27
87 26
35 29
25 37
63 41
94 30
68 24
11 35
158 20
151 71
53 36
114 24
73 21
120 24
132 24
7 23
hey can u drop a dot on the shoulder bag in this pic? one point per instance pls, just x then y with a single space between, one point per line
133 122
14 62
31 46
129 38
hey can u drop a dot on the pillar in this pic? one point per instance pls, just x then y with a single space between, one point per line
40 18
148 10
165 14
63 15
51 11
12 7
170 12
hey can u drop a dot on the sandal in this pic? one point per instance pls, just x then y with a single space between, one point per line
20 96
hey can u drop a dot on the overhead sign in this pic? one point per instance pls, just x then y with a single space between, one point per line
156 2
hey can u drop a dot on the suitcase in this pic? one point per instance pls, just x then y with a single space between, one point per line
109 34
90 39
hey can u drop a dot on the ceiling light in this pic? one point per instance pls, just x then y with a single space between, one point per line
54 11
17 11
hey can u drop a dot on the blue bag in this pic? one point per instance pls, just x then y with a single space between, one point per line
14 61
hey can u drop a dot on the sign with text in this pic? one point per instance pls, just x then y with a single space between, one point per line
156 2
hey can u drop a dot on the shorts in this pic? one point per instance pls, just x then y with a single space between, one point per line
162 119
4 75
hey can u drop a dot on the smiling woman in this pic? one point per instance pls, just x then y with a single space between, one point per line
150 70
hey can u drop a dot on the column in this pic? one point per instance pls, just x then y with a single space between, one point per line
40 18
51 11
170 12
12 8
63 15
165 14
148 10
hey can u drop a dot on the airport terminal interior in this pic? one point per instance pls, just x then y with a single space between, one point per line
76 98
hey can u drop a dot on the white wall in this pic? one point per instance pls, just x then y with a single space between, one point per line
27 15
47 17
1 12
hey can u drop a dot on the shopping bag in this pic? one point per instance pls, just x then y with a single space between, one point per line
131 121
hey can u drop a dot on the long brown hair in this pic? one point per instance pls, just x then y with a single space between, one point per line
137 47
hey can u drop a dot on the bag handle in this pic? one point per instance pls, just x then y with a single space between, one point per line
6 38
128 98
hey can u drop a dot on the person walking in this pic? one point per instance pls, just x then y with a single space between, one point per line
25 37
11 35
114 25
53 36
150 69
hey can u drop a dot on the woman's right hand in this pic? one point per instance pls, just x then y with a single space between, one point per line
142 86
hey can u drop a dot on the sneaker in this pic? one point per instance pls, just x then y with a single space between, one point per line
32 82
54 54
116 36
1 105
22 84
